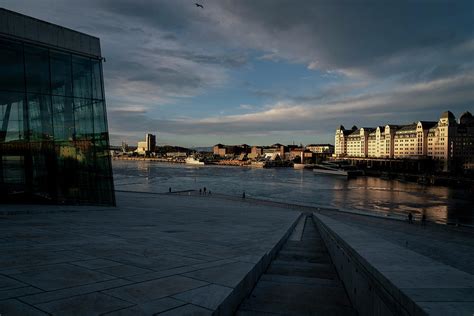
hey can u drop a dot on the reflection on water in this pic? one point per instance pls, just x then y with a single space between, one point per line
440 204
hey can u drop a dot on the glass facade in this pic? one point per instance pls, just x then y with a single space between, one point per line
53 127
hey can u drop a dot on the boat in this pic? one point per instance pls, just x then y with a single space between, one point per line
304 166
337 169
194 161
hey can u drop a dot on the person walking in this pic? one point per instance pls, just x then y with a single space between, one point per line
204 190
200 191
243 195
169 190
410 218
423 220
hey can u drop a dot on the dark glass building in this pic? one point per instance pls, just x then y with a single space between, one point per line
54 143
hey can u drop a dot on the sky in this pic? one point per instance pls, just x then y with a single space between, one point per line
267 71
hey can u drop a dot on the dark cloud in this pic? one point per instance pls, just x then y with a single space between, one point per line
424 101
357 34
397 59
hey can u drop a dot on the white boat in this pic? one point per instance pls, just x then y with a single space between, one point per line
337 169
193 161
304 165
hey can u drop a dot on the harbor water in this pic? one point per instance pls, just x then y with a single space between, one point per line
363 194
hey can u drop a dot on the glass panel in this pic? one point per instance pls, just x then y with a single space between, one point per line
97 92
40 117
11 67
11 117
63 119
53 139
13 169
61 74
37 70
82 77
83 119
100 127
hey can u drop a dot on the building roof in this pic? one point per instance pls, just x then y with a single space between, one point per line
15 25
407 128
448 115
322 145
355 132
466 118
428 124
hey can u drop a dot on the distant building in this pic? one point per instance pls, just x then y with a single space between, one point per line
447 141
321 148
148 146
150 142
340 148
231 150
219 150
257 151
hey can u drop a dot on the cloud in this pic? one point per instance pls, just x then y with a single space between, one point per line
372 61
286 118
246 107
313 65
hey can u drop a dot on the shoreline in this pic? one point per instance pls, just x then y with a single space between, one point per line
302 207
421 179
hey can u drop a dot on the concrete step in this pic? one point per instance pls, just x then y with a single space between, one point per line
298 299
323 272
302 255
301 280
303 264
305 244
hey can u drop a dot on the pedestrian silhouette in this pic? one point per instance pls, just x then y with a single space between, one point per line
423 219
205 190
200 191
169 189
410 218
243 195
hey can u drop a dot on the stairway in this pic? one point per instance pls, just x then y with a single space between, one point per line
300 281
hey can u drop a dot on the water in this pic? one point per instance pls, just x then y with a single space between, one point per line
389 197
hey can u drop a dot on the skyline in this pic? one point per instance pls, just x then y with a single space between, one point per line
243 73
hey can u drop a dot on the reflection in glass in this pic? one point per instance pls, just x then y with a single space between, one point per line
61 74
37 70
53 134
11 66
82 76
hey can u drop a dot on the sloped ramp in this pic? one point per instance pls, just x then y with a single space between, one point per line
302 280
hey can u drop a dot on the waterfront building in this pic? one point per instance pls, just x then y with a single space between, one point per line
54 142
340 143
321 148
256 151
448 142
231 150
148 146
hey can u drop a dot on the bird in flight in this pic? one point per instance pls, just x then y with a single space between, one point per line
199 5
